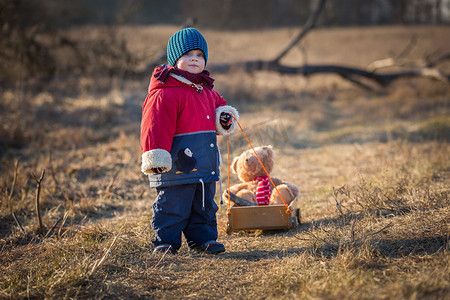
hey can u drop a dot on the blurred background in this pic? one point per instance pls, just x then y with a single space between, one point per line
55 51
34 34
225 14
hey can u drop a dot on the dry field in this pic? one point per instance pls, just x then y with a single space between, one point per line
373 169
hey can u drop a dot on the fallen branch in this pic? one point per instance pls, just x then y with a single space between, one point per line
382 79
433 62
352 74
421 68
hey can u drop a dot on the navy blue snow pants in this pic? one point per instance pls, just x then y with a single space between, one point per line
183 209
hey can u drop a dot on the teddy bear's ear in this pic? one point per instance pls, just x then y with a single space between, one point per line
234 164
269 150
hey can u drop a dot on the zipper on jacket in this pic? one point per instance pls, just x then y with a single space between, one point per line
197 87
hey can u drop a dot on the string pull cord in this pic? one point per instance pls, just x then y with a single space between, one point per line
229 185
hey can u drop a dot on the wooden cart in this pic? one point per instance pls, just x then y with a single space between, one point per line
262 217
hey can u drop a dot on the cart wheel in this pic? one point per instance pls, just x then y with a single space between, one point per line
294 223
298 215
229 229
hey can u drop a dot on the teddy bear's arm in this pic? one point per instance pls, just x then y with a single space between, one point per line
276 181
288 192
244 190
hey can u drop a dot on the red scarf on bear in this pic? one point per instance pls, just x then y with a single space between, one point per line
263 190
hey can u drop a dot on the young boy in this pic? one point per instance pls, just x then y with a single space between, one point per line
180 119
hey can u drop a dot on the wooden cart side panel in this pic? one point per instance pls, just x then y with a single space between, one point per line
260 217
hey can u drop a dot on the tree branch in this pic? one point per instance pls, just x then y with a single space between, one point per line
310 24
38 192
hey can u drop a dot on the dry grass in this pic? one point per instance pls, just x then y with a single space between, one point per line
373 170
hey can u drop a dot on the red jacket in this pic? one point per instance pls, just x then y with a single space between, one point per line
173 111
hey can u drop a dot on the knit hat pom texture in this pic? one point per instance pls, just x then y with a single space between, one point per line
184 41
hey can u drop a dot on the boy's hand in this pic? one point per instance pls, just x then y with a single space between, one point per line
225 120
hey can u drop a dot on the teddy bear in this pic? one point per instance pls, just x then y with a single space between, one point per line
255 186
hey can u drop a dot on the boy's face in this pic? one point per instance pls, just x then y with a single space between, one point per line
192 61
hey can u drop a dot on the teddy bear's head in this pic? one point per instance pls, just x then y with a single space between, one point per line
247 165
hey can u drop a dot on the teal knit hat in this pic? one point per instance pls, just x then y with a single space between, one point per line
184 41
